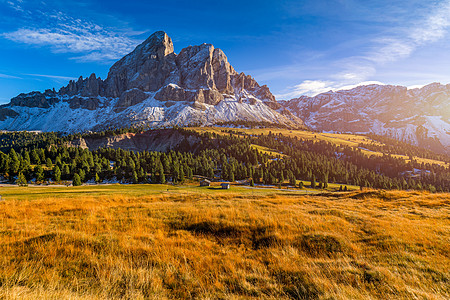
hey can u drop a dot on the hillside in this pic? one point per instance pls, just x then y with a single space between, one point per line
270 157
151 86
161 140
418 116
166 242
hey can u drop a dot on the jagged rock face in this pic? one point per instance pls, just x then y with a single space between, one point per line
6 112
36 99
91 86
203 67
130 98
198 74
149 67
419 116
150 86
83 102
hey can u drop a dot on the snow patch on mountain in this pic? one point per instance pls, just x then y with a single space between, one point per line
418 116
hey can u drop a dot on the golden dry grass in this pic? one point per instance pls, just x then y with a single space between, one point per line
226 245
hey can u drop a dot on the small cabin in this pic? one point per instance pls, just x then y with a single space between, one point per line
225 186
205 182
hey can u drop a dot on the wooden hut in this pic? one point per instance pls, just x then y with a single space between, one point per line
205 182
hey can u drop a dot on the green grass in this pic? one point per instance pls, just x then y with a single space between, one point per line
131 190
271 152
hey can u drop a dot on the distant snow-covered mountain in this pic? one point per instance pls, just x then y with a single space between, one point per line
150 86
418 116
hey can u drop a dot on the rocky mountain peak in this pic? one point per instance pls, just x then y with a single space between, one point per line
420 116
159 44
151 85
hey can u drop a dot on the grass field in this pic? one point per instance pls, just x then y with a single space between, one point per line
351 140
166 242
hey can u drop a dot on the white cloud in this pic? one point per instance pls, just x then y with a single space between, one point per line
9 76
352 86
15 4
64 34
356 70
307 87
314 87
51 76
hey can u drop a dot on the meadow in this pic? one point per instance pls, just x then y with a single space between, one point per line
342 139
167 242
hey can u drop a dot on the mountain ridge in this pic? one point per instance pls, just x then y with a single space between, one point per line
420 116
150 86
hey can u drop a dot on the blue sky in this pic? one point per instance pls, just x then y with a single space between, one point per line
295 47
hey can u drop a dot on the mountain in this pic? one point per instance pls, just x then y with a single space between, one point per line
150 86
418 116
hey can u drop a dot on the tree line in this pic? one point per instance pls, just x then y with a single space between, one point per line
217 156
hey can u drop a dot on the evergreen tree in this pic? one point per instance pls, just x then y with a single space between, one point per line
39 173
48 162
162 177
35 157
291 177
15 162
21 180
57 174
251 182
82 175
313 181
97 178
76 180
182 177
231 178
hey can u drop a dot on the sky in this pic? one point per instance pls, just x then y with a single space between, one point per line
295 47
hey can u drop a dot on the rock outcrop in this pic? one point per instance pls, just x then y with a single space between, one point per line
151 85
419 116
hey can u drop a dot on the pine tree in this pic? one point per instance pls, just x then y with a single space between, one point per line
48 162
39 173
21 180
76 180
82 175
291 177
182 177
97 178
57 173
35 157
231 178
134 177
313 181
162 177
251 182
15 162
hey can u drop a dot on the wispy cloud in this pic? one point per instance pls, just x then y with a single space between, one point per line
15 4
56 77
65 34
399 44
307 87
7 76
315 87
